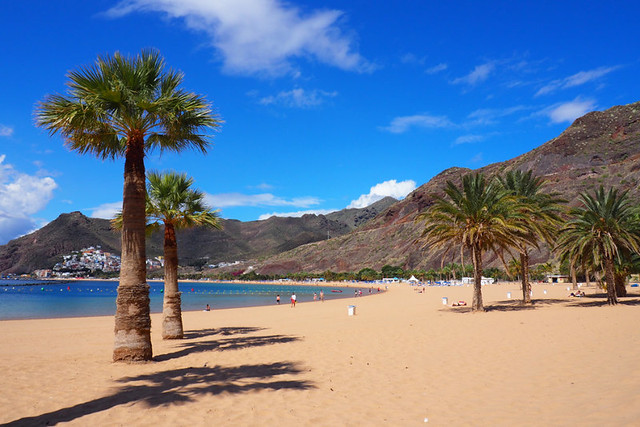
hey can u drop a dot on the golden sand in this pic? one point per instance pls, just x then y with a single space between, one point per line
403 359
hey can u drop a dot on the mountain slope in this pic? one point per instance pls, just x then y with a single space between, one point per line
600 148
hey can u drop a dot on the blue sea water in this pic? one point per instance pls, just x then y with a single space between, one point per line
78 298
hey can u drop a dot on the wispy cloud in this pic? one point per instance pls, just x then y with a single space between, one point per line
21 196
436 68
468 139
478 158
5 130
106 210
576 79
261 36
479 74
410 58
428 121
488 116
569 111
298 98
391 188
264 199
262 186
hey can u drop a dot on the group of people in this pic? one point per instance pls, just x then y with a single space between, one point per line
294 298
577 293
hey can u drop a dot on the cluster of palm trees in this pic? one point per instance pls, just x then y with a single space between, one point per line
127 107
512 214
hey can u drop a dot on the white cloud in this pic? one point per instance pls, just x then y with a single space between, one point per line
468 139
403 124
261 36
569 111
576 79
392 188
264 199
21 196
298 98
436 68
296 214
479 74
106 210
12 227
5 130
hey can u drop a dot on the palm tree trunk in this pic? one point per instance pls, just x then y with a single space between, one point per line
612 297
574 279
171 308
132 320
586 275
526 286
476 254
621 283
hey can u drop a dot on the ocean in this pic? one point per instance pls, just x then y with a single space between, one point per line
79 298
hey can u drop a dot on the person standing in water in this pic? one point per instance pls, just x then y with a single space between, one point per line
278 299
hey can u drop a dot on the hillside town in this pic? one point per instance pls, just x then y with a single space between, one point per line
88 262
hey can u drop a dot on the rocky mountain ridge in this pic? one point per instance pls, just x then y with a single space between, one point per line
600 148
237 241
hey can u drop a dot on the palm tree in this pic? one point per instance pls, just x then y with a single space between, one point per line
479 215
125 107
600 230
172 202
541 215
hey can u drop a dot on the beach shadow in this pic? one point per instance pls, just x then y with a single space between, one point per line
590 301
220 331
224 344
509 305
179 386
517 305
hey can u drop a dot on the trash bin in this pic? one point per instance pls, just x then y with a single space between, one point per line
352 310
509 295
445 301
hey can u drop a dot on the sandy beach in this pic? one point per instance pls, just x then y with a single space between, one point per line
403 359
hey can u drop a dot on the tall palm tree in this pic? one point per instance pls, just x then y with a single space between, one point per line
600 230
125 107
541 216
172 203
480 215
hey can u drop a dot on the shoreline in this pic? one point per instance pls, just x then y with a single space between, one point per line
85 300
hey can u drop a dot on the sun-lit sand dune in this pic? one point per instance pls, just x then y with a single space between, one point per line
403 359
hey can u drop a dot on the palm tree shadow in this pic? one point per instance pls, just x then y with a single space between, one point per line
222 344
602 301
229 330
179 386
510 305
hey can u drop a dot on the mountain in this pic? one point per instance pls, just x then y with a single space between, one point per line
237 241
600 148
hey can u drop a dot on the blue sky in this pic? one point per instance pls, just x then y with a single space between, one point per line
326 104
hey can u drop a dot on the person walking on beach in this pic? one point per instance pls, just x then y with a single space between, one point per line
293 300
321 295
278 299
